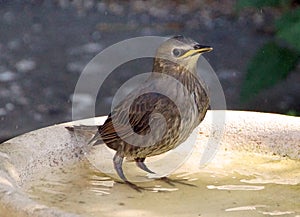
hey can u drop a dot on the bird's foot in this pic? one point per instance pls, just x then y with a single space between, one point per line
172 182
136 187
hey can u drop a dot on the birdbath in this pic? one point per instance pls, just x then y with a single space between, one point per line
255 172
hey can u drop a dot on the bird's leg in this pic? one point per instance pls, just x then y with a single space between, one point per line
172 182
118 161
140 163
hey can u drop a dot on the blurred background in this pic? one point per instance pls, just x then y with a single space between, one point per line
44 46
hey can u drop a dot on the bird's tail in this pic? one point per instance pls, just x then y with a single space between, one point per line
97 140
86 132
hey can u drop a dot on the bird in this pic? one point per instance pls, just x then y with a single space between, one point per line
158 115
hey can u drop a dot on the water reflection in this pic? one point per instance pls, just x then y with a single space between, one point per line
80 188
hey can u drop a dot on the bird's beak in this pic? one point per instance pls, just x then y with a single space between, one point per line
198 49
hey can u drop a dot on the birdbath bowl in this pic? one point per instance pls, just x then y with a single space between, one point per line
255 172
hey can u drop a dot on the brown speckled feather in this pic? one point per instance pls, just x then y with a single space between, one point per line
159 115
139 116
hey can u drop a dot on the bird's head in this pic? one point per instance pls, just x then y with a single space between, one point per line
182 51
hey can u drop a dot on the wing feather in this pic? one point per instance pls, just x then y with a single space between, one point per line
137 114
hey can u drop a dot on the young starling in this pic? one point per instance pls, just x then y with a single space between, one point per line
137 114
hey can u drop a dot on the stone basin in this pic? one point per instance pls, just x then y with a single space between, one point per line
255 172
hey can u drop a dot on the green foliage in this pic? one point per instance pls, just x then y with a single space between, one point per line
271 64
261 3
288 28
289 18
293 113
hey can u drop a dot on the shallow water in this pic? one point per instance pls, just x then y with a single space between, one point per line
248 186
250 175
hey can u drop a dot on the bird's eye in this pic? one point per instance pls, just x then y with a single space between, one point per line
177 52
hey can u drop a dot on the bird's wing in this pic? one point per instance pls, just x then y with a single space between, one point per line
137 114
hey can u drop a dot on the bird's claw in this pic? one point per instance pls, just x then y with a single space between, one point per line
167 180
172 182
136 187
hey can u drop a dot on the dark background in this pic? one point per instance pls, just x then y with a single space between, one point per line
44 45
